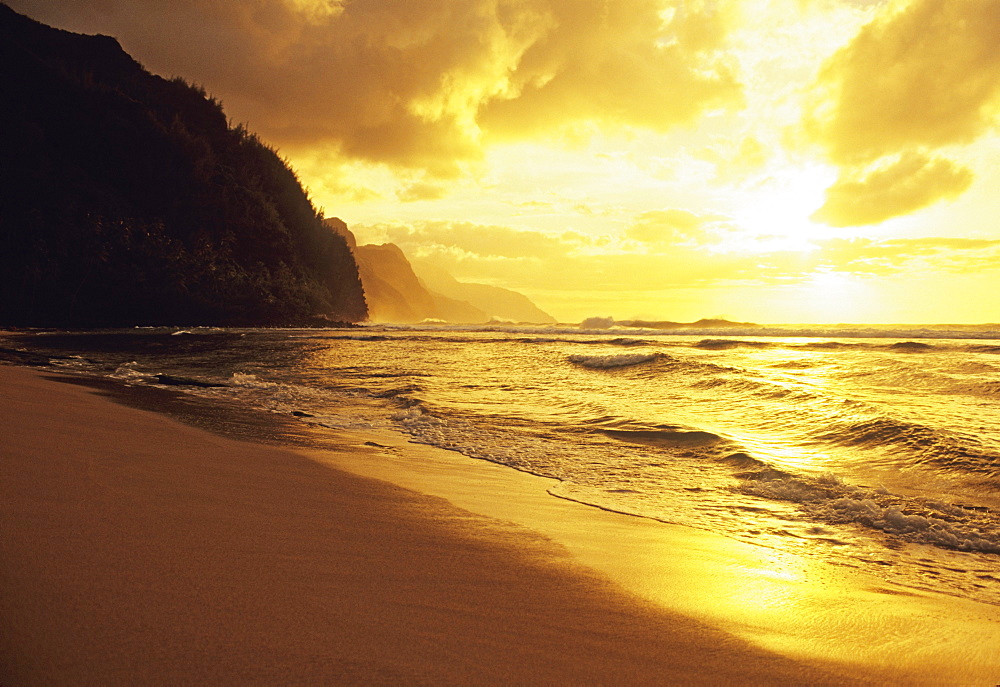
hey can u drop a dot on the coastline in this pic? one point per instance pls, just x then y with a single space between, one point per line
137 548
869 628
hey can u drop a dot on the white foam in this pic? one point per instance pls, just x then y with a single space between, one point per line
251 381
913 520
130 372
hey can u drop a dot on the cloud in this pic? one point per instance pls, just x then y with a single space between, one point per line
869 256
536 262
467 239
671 226
423 83
735 163
645 63
911 182
421 191
922 74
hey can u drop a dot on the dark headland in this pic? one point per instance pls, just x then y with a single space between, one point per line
129 199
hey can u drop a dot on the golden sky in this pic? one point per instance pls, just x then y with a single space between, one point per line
763 160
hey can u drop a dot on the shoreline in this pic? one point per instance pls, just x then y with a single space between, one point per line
685 605
137 549
864 626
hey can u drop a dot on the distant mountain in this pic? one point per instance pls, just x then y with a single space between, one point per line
391 289
499 303
396 295
395 292
128 199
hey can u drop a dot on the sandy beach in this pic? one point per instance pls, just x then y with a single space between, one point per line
499 343
138 550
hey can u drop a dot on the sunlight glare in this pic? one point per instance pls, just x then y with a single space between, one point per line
838 296
777 212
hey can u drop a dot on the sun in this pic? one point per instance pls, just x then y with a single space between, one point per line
776 212
833 296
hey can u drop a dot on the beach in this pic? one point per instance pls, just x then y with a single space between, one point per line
140 550
516 343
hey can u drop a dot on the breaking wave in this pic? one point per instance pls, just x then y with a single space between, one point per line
917 521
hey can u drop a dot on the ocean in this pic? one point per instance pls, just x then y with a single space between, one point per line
875 449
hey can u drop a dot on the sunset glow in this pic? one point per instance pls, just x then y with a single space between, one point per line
500 341
760 160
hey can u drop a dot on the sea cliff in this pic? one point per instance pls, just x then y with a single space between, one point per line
129 199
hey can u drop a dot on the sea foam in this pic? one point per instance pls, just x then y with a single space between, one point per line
917 521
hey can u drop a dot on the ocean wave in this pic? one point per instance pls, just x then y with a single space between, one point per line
597 341
605 328
917 521
607 362
991 388
402 396
904 346
357 337
131 374
252 381
746 383
913 346
177 380
880 431
324 407
626 341
725 344
797 365
678 437
829 345
923 444
743 460
491 442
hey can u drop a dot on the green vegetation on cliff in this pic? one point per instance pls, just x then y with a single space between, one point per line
128 199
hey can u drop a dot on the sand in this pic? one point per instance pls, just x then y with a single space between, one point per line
138 550
789 601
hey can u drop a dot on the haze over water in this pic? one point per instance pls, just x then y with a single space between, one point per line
879 453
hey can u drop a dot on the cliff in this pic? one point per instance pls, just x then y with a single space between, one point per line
397 293
497 302
128 199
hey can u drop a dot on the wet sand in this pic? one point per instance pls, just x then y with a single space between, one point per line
864 626
139 550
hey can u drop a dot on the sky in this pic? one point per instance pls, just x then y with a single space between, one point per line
773 161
